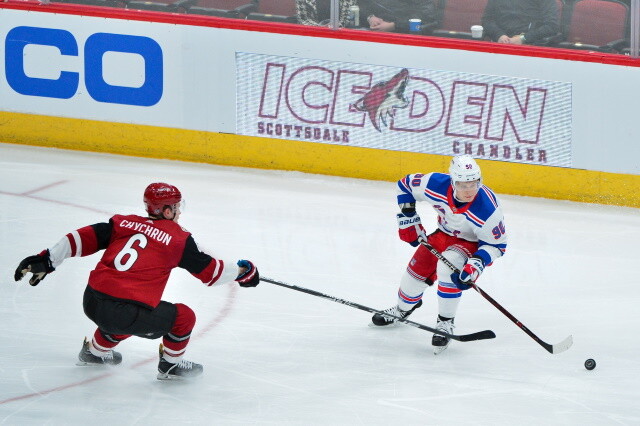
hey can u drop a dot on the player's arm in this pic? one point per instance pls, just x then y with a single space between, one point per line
492 244
81 242
210 270
410 189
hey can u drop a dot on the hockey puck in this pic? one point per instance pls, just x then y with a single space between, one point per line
590 364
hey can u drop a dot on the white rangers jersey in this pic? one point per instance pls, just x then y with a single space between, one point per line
480 220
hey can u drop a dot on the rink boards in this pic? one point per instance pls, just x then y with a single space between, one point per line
540 126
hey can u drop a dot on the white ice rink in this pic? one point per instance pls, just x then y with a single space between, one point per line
274 356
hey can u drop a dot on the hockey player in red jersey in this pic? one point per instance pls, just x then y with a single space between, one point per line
471 234
124 292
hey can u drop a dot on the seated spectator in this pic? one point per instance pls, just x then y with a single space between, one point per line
318 12
394 15
520 21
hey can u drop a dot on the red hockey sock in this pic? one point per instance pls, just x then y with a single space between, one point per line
176 341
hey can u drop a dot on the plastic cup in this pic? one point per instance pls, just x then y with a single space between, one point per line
476 31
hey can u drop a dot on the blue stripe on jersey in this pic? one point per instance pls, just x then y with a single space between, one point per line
403 184
482 207
437 187
405 196
491 195
482 254
440 183
435 196
473 219
502 247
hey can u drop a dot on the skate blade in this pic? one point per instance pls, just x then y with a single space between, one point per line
162 376
439 349
392 325
92 364
172 377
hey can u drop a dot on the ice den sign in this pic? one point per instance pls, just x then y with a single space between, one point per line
404 109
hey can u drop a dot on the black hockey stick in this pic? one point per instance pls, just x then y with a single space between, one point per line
481 335
553 349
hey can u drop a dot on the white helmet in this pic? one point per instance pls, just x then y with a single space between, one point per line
464 168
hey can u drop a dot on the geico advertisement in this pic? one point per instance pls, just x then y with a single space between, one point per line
416 110
86 69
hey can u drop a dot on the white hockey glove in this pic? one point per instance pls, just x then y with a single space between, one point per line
410 228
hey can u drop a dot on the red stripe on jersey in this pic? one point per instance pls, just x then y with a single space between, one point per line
211 273
72 243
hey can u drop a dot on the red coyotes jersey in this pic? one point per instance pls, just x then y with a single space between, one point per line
139 255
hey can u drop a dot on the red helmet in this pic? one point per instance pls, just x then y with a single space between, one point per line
158 195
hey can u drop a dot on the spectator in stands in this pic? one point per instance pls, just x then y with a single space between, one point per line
318 12
394 15
520 21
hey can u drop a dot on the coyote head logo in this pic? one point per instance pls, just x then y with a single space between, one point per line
383 99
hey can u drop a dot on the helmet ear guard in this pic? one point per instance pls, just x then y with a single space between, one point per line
159 195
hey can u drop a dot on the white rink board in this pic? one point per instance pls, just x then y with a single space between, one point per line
414 110
199 75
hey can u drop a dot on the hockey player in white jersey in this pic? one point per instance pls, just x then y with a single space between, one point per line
471 234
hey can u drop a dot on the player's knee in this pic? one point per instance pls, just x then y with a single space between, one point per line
185 320
456 256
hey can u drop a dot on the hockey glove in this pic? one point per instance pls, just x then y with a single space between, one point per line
410 228
469 274
250 276
39 265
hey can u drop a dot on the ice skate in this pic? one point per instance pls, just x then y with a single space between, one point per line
382 320
440 343
85 357
181 370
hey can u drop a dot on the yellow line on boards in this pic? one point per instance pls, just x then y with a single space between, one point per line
279 154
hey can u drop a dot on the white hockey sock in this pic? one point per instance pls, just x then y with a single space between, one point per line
171 356
410 291
447 306
98 350
448 294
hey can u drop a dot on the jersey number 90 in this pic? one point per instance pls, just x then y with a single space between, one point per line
498 231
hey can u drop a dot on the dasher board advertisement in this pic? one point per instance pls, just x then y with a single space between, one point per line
404 109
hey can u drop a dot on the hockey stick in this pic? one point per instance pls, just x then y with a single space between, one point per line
480 335
553 349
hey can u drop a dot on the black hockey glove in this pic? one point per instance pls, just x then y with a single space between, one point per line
39 265
250 277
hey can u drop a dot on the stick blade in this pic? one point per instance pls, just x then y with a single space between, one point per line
480 335
562 346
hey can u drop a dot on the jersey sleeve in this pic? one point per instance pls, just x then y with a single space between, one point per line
204 267
81 242
492 238
412 187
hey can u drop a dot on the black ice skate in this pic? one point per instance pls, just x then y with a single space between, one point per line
181 370
381 319
439 342
85 357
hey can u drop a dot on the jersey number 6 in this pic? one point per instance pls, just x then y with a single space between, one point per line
129 250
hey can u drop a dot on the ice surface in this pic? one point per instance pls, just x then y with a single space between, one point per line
276 356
